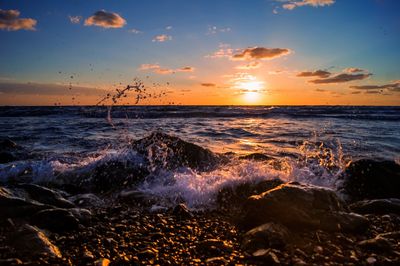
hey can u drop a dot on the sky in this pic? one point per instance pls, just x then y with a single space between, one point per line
217 52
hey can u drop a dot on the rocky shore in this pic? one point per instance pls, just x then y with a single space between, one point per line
102 219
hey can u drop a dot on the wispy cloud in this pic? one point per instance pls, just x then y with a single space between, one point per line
316 73
105 20
260 53
208 84
134 31
156 68
162 38
341 78
215 30
168 28
223 51
354 70
292 4
391 87
251 65
9 20
75 19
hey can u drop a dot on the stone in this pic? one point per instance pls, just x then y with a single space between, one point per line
216 261
102 262
46 196
376 206
300 206
86 200
267 256
31 242
369 179
256 157
166 151
136 196
378 243
182 211
56 220
269 235
11 261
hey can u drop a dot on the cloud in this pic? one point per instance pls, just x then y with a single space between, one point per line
317 73
208 84
9 20
251 65
292 4
162 38
215 30
156 68
135 31
106 20
222 52
168 28
75 19
354 70
392 87
260 53
341 78
46 89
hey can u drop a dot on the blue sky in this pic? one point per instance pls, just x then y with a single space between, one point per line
341 34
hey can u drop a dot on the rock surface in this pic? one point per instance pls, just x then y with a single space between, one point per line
301 206
377 206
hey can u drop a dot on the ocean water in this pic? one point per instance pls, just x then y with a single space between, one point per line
307 143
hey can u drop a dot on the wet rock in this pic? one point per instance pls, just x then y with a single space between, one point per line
256 157
216 261
301 206
6 157
213 246
56 220
10 151
12 206
86 200
376 206
267 256
265 236
31 242
46 196
369 179
182 211
83 215
136 196
149 253
233 197
165 151
378 243
102 262
12 261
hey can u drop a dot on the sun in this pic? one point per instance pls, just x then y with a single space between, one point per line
252 91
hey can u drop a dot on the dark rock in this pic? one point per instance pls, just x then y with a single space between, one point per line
214 246
267 256
376 244
83 215
86 200
182 211
29 241
377 206
56 220
256 157
269 235
216 261
147 253
369 179
10 151
12 261
233 197
46 196
7 144
300 207
12 206
6 157
165 151
136 196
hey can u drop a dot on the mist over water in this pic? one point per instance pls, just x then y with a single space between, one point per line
307 144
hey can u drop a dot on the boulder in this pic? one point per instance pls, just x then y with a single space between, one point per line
300 206
12 206
268 235
256 157
55 220
369 179
376 206
10 151
165 151
31 242
46 196
86 200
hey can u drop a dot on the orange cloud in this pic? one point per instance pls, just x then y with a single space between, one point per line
260 53
156 68
105 20
393 87
292 4
208 84
251 65
341 78
317 73
162 38
9 20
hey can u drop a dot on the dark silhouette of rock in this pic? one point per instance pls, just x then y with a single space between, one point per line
31 242
10 151
269 235
233 197
56 220
301 206
165 151
6 157
377 206
46 196
256 157
369 179
12 206
182 211
86 200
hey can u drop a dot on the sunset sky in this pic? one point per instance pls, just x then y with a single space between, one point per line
265 52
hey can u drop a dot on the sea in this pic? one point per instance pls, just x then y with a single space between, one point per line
311 144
